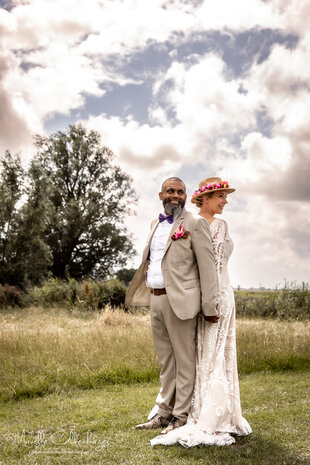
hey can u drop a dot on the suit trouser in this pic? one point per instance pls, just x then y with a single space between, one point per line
174 341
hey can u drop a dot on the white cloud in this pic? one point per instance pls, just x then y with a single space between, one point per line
281 84
205 100
293 15
271 241
259 159
237 15
52 54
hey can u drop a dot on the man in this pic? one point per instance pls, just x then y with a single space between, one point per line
177 278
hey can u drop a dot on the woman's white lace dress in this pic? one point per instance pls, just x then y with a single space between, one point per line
215 410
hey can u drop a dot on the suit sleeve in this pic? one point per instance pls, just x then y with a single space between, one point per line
203 249
138 294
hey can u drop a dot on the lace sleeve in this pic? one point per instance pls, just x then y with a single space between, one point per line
218 241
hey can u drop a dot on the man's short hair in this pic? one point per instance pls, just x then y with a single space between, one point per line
173 178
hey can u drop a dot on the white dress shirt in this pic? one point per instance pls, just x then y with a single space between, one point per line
155 279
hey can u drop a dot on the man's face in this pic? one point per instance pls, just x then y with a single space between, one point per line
173 196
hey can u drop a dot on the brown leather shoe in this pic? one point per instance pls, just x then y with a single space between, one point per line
173 424
156 422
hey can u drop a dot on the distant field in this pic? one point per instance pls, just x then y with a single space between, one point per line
290 302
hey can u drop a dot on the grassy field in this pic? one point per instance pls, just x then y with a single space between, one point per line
73 385
53 351
97 427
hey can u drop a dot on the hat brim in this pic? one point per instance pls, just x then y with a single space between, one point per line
228 190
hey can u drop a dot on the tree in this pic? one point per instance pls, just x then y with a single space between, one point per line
125 275
24 256
33 249
11 191
86 199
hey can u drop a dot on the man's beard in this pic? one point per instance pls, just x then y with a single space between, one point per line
172 209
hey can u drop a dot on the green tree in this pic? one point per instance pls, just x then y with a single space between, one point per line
34 251
87 199
11 191
24 255
125 275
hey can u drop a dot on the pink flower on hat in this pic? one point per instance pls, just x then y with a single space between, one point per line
211 184
195 193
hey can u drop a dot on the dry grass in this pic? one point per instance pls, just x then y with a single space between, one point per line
268 344
44 351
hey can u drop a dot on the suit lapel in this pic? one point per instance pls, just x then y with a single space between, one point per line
174 228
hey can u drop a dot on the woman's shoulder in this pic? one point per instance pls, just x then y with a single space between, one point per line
218 225
219 221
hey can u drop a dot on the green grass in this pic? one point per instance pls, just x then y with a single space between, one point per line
54 351
74 384
97 427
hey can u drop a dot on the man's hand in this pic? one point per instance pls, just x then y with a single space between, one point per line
212 319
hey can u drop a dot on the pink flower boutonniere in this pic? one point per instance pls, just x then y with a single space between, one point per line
180 233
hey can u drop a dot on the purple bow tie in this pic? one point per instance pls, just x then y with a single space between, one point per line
162 218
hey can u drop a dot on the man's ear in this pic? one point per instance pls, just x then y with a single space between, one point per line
160 196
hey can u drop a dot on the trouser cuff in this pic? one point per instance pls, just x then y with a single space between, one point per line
164 413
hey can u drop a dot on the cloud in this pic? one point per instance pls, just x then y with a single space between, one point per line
14 132
238 15
281 85
204 116
205 98
60 48
149 21
293 15
270 172
271 240
14 129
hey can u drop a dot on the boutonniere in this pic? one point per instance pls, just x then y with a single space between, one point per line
181 233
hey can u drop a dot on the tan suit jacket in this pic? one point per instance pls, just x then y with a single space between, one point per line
188 268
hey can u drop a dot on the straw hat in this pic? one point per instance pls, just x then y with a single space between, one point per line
211 185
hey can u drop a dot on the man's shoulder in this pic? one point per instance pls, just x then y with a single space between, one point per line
193 218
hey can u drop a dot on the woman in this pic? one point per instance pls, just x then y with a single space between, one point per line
215 412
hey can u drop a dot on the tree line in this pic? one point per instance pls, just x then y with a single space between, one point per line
64 214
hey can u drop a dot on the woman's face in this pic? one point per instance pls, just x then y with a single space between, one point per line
215 203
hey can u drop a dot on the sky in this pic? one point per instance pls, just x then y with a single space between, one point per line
188 88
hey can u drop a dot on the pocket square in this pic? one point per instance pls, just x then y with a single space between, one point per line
181 233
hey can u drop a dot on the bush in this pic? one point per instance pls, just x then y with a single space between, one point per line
87 294
291 302
10 296
112 293
54 291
